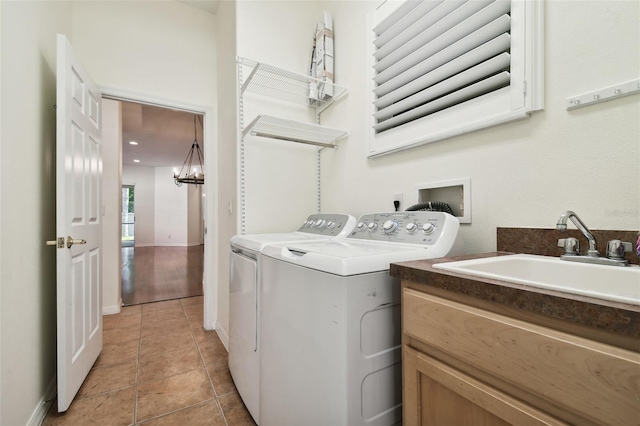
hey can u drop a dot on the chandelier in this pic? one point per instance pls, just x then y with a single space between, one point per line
191 174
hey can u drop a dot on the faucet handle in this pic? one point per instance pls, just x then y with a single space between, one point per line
571 245
616 249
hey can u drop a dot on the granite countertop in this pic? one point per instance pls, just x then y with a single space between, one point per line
614 317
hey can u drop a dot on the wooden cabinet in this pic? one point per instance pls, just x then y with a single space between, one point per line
468 365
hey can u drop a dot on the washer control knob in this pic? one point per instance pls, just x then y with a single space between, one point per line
373 226
308 223
331 224
411 228
361 226
320 223
390 226
428 228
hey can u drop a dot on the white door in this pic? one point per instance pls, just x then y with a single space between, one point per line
78 223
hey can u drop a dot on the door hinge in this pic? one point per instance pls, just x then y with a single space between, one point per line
524 87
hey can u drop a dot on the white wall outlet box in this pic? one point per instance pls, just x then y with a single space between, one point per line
456 193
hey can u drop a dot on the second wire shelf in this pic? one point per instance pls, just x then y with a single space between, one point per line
293 131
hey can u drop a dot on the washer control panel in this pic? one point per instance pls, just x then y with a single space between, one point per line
332 225
416 227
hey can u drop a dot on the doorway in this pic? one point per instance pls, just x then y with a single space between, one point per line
128 216
210 202
162 232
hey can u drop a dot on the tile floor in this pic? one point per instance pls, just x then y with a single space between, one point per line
157 367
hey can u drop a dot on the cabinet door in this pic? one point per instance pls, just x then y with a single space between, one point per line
436 394
578 380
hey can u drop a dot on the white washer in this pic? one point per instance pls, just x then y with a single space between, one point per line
244 328
330 320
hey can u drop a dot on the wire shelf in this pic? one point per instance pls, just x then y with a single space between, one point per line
294 131
272 81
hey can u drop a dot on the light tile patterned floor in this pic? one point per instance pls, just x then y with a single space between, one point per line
157 367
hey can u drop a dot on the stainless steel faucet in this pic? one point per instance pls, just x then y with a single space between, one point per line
615 248
562 225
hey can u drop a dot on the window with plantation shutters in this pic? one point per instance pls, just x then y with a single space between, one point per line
440 68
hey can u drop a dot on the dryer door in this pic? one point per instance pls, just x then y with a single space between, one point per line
244 361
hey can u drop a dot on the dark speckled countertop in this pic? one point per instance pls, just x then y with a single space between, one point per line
620 319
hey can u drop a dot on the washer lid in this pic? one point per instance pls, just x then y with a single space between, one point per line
345 258
256 242
317 227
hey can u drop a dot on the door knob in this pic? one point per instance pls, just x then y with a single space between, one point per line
71 241
57 242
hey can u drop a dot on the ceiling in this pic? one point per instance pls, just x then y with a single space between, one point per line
164 136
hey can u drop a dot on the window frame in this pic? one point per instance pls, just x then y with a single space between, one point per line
516 102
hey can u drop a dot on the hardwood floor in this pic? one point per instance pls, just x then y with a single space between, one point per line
152 274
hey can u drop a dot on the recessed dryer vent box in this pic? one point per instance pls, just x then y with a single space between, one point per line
456 193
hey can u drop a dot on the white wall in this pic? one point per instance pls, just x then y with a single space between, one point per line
112 202
171 209
280 176
225 168
166 215
144 202
161 48
523 174
195 229
27 205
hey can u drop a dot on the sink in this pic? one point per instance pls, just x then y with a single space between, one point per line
620 284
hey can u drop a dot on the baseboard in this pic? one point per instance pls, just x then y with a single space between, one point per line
170 245
112 310
222 334
45 402
179 245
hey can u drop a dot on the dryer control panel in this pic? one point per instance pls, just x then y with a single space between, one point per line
416 227
332 225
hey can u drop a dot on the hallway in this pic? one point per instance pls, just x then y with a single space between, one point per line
152 274
157 367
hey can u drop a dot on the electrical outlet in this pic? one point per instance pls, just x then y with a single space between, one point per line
398 197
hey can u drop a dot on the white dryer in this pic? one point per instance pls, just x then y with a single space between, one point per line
244 327
330 320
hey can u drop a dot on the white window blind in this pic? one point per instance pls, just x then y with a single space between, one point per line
445 67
